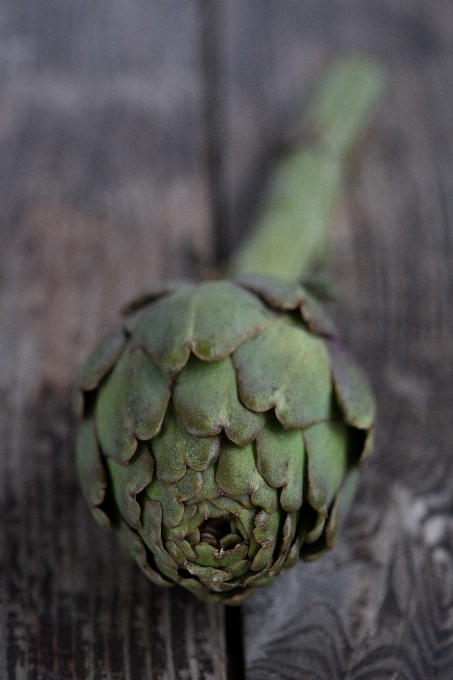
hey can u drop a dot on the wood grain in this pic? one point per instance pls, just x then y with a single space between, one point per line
104 143
380 605
103 191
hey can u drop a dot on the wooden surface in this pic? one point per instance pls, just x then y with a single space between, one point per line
103 191
380 606
109 134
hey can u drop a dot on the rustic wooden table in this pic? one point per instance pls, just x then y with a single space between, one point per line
133 141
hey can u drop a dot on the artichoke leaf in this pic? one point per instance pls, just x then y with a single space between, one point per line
128 480
281 459
187 550
290 295
264 580
256 575
211 557
90 470
151 295
351 387
316 531
293 556
174 449
286 367
103 357
166 329
253 548
239 568
185 527
266 533
210 509
205 396
237 474
230 540
316 317
132 546
368 445
279 293
210 320
232 505
246 522
181 552
131 403
288 534
151 533
194 538
328 453
305 523
172 497
341 505
199 590
210 576
209 490
244 517
170 572
196 520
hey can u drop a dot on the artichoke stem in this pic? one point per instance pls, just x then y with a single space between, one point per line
290 236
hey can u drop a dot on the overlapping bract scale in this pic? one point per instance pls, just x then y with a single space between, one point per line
290 295
128 480
190 319
90 469
131 404
205 396
281 459
328 453
351 386
287 368
175 448
222 429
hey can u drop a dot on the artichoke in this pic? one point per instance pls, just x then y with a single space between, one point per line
222 430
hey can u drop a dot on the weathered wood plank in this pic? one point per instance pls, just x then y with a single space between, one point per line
379 606
103 190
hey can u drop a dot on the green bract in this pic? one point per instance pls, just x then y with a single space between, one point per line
223 426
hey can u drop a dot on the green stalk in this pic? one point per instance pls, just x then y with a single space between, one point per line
290 236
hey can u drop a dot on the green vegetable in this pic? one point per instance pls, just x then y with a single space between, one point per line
223 427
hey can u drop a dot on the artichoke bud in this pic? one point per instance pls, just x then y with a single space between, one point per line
222 430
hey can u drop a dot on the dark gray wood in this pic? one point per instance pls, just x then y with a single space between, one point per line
103 190
380 605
